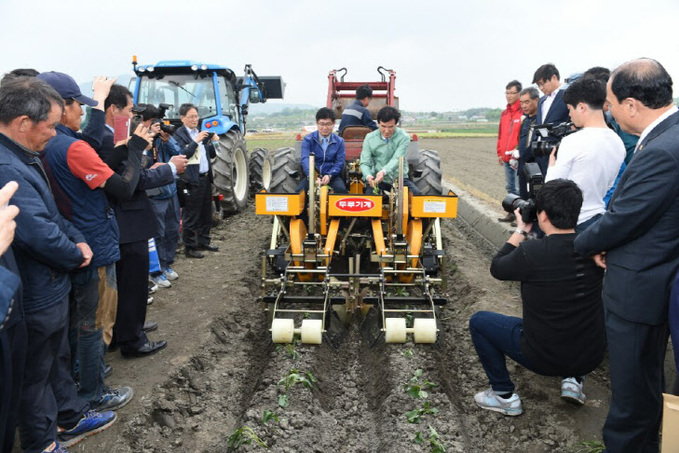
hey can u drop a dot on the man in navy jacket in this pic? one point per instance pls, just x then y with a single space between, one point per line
357 114
329 153
637 241
46 248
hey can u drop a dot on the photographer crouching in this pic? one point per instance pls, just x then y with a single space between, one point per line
562 330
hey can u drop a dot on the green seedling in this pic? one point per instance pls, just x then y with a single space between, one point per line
400 291
268 416
415 415
290 350
434 440
417 388
590 447
407 353
283 400
244 436
295 377
376 190
308 289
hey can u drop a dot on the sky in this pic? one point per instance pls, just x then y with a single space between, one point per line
448 55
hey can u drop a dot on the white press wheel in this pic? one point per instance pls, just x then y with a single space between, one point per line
395 330
424 330
312 331
282 330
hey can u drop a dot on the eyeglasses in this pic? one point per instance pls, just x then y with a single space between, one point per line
325 124
511 92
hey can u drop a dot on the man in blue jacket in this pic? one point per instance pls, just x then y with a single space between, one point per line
357 114
329 153
46 248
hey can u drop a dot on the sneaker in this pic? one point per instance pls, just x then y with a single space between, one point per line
170 274
571 391
161 281
55 448
114 399
149 301
489 400
152 286
91 423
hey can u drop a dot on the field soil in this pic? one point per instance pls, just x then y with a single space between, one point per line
220 371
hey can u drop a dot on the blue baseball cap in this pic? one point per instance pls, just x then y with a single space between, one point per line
65 85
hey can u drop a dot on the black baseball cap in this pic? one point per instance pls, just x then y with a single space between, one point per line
66 86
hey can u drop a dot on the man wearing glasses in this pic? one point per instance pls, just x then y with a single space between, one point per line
508 139
329 153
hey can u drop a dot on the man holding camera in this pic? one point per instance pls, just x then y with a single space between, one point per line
163 199
136 222
528 99
591 157
562 330
197 214
551 107
637 241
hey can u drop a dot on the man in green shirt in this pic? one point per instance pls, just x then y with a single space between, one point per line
381 150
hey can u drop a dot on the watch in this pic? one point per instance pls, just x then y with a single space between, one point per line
522 232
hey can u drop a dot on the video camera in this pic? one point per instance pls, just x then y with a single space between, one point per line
151 112
527 208
551 135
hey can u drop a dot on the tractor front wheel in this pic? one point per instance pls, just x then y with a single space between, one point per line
260 170
285 172
230 171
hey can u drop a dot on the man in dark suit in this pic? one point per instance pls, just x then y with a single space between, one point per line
637 241
197 213
137 224
551 107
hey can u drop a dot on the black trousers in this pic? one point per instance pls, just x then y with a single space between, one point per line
132 271
49 395
12 361
637 356
197 214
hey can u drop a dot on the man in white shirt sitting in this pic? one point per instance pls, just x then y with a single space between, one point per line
592 156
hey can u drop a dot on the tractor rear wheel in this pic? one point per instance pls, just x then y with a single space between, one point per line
285 172
230 171
429 168
260 170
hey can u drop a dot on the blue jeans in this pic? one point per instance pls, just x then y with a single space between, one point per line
587 223
496 336
86 340
167 235
511 179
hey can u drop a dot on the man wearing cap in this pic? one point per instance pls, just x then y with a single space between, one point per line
80 181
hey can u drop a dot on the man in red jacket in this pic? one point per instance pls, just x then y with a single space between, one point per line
508 139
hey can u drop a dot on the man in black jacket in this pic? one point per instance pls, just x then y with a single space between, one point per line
197 214
137 224
562 330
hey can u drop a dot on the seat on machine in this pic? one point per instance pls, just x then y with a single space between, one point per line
355 132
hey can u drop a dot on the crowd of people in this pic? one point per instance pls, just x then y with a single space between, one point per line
74 246
78 206
609 202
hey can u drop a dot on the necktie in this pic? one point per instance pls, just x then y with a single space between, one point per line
325 143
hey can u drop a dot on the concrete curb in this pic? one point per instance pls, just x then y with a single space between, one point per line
482 218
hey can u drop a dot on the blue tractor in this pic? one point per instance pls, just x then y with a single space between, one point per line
222 100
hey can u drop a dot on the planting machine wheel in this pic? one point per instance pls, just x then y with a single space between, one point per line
283 331
428 168
285 172
423 330
259 166
230 171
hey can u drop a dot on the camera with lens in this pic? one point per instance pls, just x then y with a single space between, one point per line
209 137
156 114
527 208
550 136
